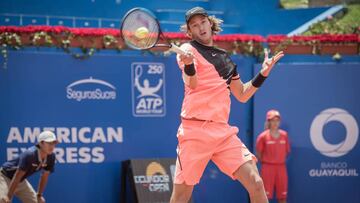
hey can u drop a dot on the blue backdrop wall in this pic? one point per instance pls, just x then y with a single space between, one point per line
102 116
319 103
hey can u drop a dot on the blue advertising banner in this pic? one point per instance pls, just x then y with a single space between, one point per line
319 104
104 110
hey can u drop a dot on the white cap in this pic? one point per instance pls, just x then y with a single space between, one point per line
47 136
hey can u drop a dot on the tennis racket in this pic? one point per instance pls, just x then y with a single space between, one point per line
141 30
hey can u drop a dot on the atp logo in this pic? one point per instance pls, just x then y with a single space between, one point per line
339 149
148 89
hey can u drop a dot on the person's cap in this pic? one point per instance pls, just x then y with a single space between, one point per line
195 11
47 136
272 114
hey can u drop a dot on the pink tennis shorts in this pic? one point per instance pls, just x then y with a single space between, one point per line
202 141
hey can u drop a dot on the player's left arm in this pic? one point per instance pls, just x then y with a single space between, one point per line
244 91
288 146
42 183
50 168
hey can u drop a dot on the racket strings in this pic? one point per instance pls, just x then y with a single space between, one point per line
133 22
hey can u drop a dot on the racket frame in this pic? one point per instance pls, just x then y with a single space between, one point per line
172 47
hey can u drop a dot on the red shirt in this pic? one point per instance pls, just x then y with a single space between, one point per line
273 150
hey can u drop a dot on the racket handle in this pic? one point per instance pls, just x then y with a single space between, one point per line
177 49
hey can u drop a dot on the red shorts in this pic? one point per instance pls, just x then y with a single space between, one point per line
202 141
275 176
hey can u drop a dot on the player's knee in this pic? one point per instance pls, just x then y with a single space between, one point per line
257 184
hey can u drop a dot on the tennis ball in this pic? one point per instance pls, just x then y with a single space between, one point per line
141 32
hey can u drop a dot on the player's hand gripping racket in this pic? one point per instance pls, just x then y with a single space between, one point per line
140 30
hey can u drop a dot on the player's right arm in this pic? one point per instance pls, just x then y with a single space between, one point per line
259 147
187 65
15 182
259 155
189 72
23 166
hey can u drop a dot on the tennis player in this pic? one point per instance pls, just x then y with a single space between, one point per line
210 76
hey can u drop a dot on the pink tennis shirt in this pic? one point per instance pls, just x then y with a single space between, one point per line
210 100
